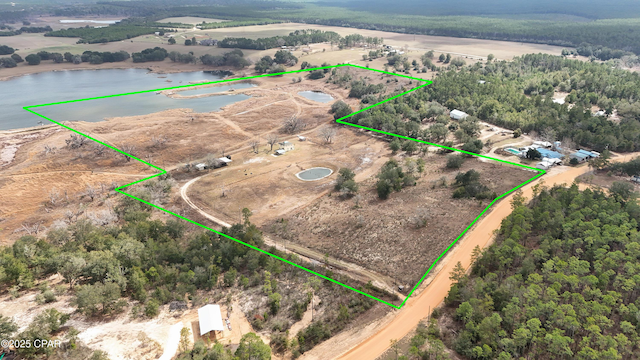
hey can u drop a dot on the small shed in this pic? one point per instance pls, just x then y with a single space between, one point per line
544 144
210 319
201 166
543 166
578 156
280 152
589 154
225 160
558 101
458 115
286 146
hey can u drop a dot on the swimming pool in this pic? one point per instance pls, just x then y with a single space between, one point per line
513 151
315 173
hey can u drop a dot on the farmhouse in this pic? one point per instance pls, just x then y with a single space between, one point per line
210 320
458 115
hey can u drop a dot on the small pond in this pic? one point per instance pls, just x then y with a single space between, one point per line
315 173
316 96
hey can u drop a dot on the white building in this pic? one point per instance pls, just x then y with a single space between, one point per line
458 115
286 146
210 319
558 101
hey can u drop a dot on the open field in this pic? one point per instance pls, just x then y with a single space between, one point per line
54 21
382 234
268 185
456 46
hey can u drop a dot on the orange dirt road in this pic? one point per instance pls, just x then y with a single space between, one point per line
417 307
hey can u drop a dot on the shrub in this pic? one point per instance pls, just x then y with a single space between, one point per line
151 308
17 58
316 74
6 50
460 193
455 161
340 109
33 59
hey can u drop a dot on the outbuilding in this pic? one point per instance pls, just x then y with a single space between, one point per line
578 156
589 154
210 320
225 160
286 146
458 115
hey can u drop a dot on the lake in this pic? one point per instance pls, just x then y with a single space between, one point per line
57 86
215 89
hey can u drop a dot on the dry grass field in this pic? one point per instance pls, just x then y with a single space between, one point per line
382 235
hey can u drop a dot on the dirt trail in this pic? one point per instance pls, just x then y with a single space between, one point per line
171 345
418 307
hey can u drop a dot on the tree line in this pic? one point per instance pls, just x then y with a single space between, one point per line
114 32
299 37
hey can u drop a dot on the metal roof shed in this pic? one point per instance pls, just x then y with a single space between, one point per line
578 156
546 153
457 114
210 319
587 153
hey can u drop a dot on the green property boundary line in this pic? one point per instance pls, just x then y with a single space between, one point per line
340 121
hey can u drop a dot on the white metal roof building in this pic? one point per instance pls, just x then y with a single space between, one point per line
210 319
458 115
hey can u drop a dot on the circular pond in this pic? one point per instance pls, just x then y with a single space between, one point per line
313 174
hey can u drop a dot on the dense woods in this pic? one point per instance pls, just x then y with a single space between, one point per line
93 35
518 95
561 282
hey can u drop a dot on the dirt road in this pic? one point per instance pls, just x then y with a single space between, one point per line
417 308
